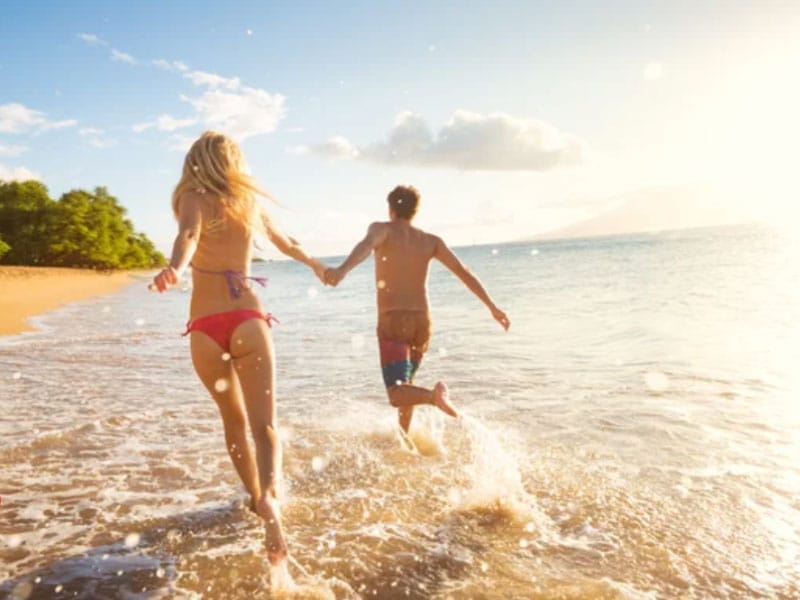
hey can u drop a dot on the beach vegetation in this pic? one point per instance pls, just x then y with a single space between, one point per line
82 228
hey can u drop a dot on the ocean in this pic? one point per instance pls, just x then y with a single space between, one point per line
635 434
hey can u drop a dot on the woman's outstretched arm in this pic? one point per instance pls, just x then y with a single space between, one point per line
291 247
190 223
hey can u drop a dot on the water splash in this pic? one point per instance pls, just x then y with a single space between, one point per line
494 482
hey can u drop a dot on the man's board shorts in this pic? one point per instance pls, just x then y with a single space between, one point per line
403 337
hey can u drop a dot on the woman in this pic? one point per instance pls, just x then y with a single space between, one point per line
214 203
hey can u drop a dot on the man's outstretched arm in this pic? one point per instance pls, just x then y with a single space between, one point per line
376 234
450 260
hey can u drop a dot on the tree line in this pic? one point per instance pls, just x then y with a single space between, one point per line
80 229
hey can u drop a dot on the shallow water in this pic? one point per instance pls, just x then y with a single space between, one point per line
634 435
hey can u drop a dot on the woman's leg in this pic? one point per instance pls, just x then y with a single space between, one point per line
220 380
254 362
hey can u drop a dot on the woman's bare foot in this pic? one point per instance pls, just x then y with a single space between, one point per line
441 399
267 508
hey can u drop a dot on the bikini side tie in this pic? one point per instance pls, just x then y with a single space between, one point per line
236 280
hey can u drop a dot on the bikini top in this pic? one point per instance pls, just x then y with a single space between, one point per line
236 280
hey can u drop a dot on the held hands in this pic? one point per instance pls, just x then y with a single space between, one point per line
501 318
327 275
319 269
165 279
333 276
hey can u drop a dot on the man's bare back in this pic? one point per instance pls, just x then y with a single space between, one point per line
402 258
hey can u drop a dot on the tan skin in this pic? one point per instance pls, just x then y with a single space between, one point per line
402 256
249 398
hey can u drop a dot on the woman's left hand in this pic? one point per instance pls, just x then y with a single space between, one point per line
165 279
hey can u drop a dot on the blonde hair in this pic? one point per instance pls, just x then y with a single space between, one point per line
214 164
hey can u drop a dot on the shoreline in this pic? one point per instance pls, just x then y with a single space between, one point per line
27 292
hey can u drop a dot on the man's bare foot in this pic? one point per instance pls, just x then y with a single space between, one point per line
267 508
441 399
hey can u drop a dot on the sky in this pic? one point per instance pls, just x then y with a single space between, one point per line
511 118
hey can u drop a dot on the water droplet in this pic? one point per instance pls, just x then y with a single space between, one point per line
318 463
381 284
226 356
656 381
312 292
16 375
160 572
14 541
454 496
534 252
119 573
132 540
249 32
37 580
530 527
383 258
58 588
139 322
523 543
495 250
221 384
484 567
106 309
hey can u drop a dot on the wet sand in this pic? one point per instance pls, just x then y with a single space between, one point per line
29 291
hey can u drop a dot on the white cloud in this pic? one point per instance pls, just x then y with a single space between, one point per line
96 137
18 118
164 123
17 174
91 39
212 80
245 113
335 148
58 124
89 131
11 150
469 141
174 65
179 142
122 57
653 71
144 126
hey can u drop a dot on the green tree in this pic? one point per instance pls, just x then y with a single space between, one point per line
24 208
4 248
81 229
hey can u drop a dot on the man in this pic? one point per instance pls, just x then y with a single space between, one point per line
402 256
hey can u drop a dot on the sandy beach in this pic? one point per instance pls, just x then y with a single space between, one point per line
30 291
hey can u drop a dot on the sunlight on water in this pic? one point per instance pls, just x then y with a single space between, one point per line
634 435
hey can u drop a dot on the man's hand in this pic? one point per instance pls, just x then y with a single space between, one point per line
333 276
165 279
501 318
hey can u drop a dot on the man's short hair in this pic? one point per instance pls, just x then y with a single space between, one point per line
404 200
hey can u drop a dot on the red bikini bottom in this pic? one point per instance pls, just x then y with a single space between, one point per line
220 326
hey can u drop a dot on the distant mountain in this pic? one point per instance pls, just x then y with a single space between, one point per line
655 209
